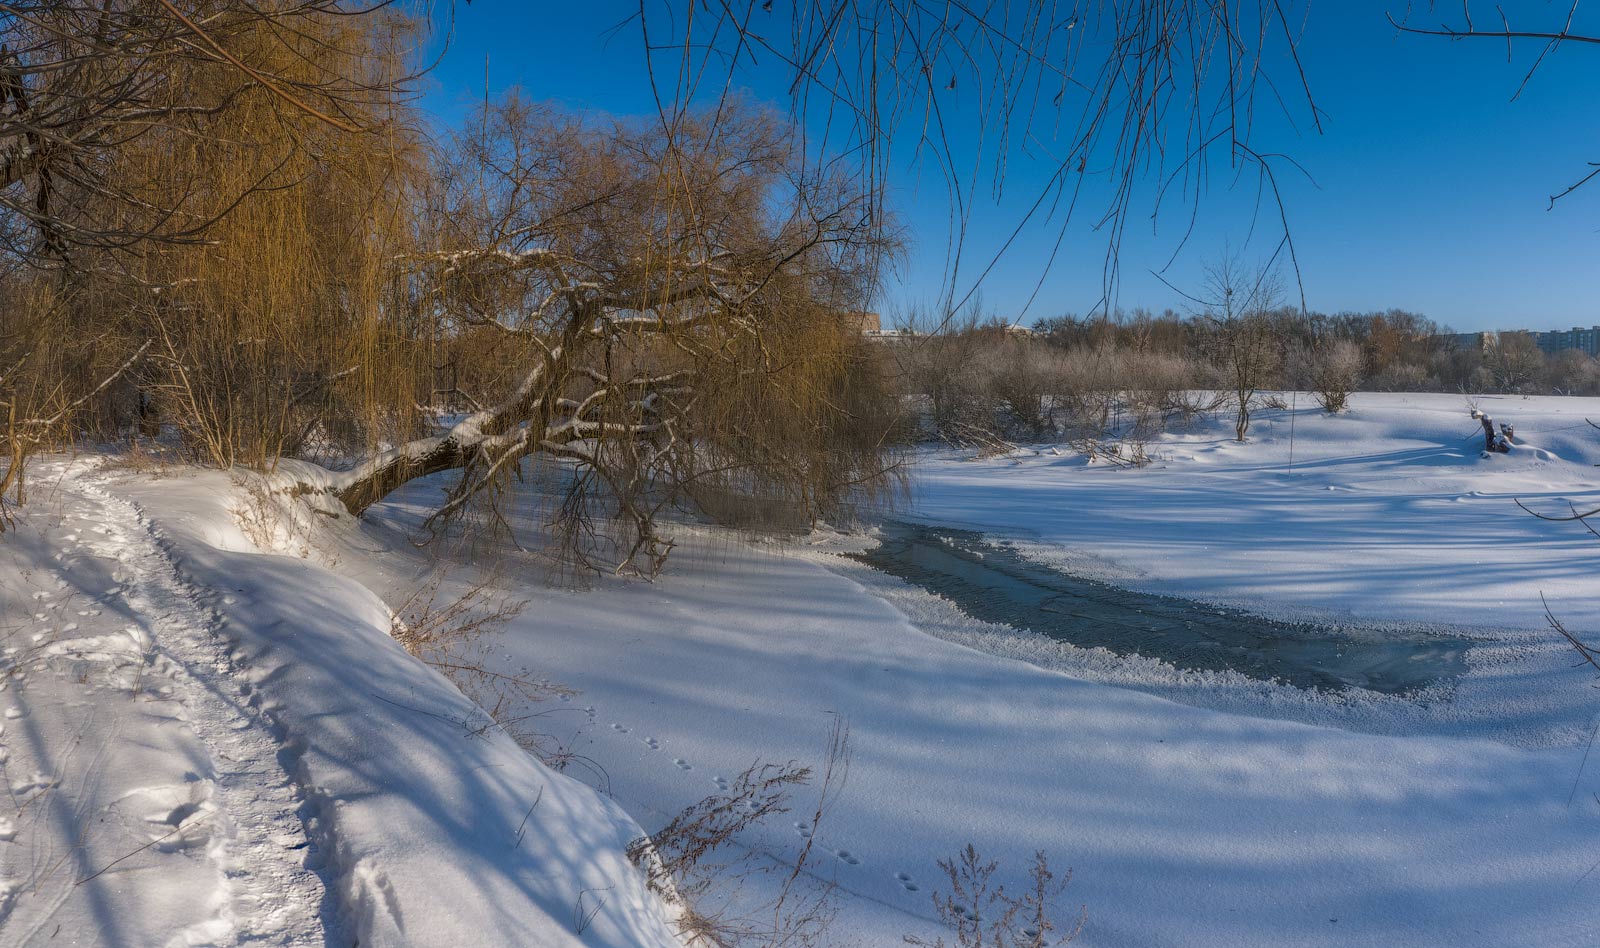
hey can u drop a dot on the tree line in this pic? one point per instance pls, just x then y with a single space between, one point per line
1128 374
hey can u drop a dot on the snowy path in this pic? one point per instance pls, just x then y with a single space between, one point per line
148 754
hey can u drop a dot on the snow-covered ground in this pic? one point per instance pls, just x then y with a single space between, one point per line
207 743
1192 809
1388 511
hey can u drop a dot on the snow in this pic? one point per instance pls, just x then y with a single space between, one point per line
1386 512
303 779
1192 808
1182 825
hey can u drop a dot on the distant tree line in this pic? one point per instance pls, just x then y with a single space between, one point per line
1399 351
1128 374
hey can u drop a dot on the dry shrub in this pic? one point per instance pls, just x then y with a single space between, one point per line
981 914
680 860
1334 372
48 376
1123 453
443 631
679 854
272 521
1159 386
1087 390
429 629
1022 376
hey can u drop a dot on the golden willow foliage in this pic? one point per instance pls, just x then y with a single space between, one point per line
198 203
660 310
277 328
270 300
667 305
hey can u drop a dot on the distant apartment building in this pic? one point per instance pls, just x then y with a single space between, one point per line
865 323
1586 341
1583 340
1481 341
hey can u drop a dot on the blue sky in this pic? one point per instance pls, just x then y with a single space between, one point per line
1431 186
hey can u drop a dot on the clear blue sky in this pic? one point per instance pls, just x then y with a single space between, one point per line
1431 186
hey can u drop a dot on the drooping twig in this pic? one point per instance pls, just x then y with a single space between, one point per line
1590 653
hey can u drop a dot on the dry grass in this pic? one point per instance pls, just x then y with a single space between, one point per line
443 630
682 860
981 914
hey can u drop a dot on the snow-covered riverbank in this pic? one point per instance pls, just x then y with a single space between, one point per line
209 743
1469 822
1193 810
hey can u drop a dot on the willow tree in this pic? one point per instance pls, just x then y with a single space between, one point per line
285 330
671 304
131 131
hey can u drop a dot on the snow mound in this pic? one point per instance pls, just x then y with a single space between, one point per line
436 827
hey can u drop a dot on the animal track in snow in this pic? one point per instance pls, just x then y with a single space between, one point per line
804 829
906 882
619 728
847 857
652 743
722 783
179 816
682 764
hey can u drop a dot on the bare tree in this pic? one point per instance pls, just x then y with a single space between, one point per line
129 131
1237 311
1513 360
81 79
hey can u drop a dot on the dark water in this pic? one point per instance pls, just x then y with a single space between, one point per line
992 582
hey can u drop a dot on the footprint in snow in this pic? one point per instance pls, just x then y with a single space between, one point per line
682 764
619 729
847 857
652 743
804 829
721 782
907 883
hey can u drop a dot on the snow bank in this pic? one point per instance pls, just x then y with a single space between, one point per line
437 828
